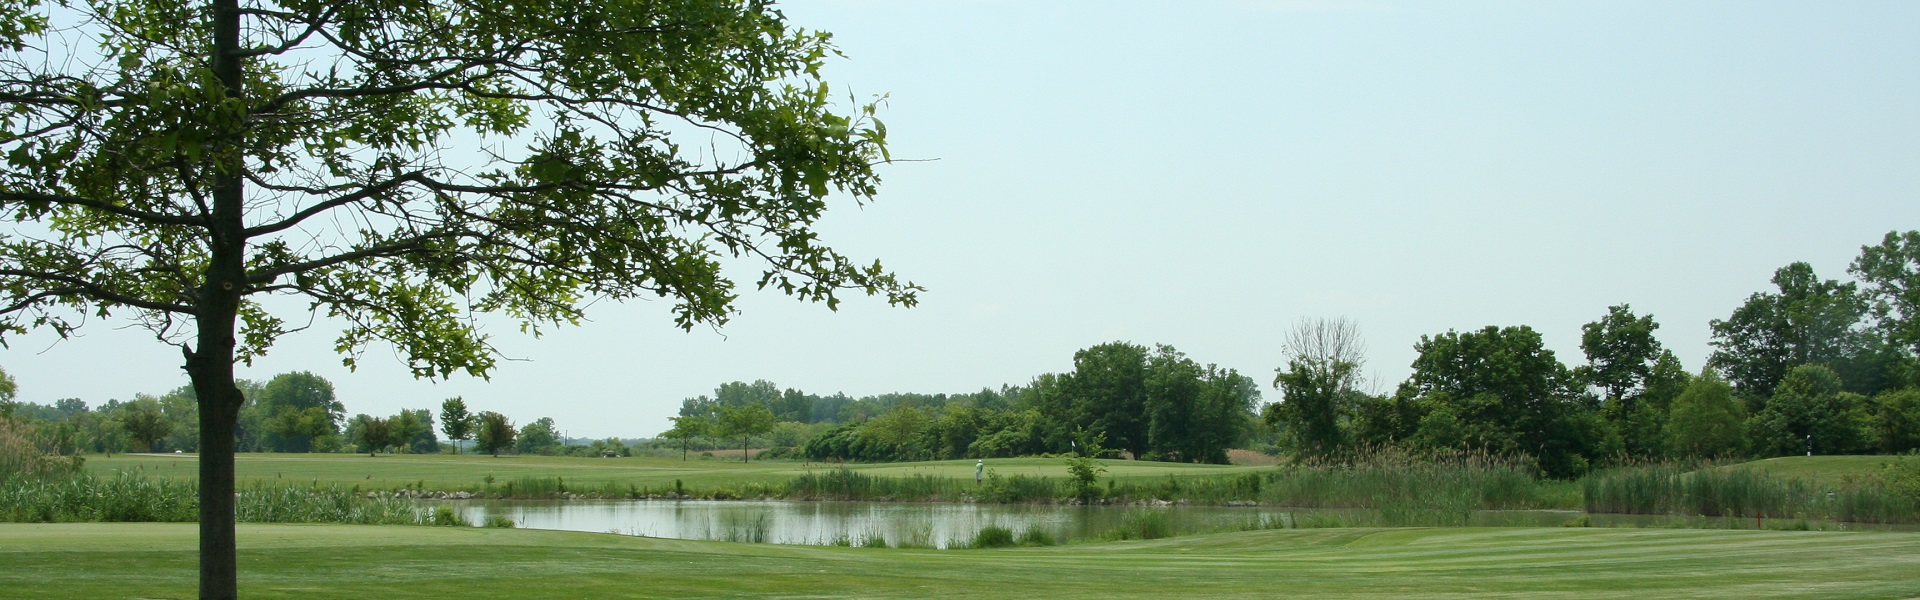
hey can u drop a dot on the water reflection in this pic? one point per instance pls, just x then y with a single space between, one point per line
941 525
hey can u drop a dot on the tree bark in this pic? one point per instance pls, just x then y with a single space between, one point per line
219 412
210 362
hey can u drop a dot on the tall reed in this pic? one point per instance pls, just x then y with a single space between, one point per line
130 497
847 484
1412 485
1702 489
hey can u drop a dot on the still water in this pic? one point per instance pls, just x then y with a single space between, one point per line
942 524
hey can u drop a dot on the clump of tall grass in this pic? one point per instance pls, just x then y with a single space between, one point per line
498 521
1200 489
130 497
534 487
1034 535
847 484
1417 489
993 536
125 497
1702 489
1022 488
332 504
920 537
1142 524
746 526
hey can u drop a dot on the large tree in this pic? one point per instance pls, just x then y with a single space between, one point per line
493 432
687 427
399 165
743 421
455 421
538 437
1809 412
1320 381
372 433
1510 395
1891 272
299 407
145 423
1636 378
1108 395
1706 420
1810 321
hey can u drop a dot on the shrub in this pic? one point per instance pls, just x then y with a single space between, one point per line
993 536
445 516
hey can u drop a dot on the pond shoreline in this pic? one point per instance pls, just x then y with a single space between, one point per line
948 524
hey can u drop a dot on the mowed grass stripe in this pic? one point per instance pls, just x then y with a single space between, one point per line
156 560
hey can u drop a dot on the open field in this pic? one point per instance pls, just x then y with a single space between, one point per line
282 561
468 472
1822 469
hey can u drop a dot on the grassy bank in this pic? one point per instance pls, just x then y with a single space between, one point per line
305 561
1829 470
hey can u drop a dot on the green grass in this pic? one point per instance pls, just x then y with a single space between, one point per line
307 561
1821 469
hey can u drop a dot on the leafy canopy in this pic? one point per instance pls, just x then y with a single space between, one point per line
407 163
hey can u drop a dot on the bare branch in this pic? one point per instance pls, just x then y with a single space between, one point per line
362 193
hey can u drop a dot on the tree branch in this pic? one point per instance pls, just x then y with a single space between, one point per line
81 287
355 196
150 217
390 249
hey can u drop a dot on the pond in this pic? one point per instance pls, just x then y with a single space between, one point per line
941 525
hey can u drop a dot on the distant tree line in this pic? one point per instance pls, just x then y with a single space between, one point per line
1818 366
1148 403
293 412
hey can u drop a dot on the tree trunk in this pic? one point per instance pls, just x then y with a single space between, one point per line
210 363
743 449
219 412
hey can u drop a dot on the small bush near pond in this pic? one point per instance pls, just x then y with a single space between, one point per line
993 536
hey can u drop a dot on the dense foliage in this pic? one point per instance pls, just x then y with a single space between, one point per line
1820 366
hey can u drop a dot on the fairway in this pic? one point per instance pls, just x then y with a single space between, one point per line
306 561
469 472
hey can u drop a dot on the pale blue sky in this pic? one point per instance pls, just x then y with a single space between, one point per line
1202 174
